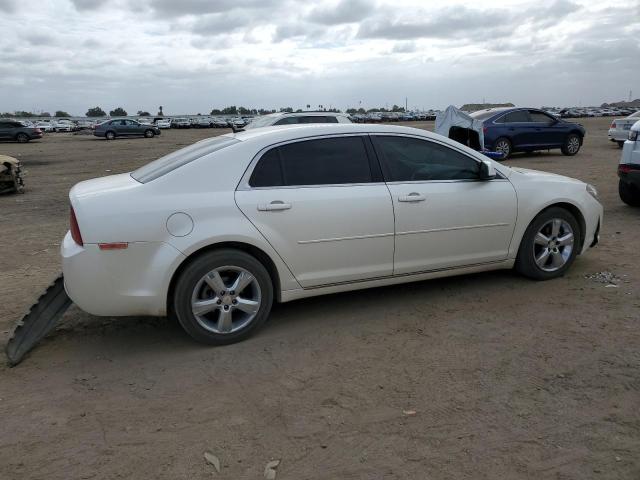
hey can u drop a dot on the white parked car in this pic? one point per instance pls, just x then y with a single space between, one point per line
164 123
285 118
629 168
46 126
218 231
65 126
619 130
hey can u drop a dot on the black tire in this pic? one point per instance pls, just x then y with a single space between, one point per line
196 270
526 261
110 135
505 146
629 194
572 144
149 133
620 144
22 138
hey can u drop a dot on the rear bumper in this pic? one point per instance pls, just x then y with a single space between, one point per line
133 281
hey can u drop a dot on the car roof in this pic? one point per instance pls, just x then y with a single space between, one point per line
283 133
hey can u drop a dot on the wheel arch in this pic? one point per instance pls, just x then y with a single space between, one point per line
252 250
577 132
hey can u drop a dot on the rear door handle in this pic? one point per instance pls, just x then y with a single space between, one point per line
274 206
412 197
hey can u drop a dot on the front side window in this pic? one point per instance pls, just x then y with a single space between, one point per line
408 159
517 117
327 161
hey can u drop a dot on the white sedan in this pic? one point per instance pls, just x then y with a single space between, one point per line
619 129
218 231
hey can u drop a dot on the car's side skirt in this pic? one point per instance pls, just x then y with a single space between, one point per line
289 295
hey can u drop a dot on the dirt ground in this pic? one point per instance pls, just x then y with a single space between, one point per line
489 376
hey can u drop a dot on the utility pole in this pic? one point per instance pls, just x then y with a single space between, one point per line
406 101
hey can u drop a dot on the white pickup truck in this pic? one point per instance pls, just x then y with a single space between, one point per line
619 130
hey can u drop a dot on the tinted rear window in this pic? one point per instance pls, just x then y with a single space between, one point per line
328 161
181 157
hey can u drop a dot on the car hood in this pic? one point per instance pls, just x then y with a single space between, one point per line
533 174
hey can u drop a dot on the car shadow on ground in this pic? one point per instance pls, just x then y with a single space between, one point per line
132 335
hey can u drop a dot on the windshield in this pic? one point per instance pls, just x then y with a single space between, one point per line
264 121
181 157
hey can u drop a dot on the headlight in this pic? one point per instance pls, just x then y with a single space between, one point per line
633 135
592 191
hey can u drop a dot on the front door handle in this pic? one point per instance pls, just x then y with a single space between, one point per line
412 197
274 206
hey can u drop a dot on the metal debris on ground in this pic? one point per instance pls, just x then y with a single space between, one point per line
213 460
38 322
10 175
270 469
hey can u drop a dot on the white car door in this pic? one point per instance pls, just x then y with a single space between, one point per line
323 206
444 215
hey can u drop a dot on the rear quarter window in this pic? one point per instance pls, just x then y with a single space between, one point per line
177 159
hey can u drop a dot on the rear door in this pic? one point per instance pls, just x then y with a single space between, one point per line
6 129
322 204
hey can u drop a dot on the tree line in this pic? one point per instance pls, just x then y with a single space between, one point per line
231 110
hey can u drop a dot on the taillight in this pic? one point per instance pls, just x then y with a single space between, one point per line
484 129
75 229
613 124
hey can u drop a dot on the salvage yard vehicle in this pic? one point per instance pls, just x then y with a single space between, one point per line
216 232
619 130
629 168
164 123
15 130
122 127
285 118
10 175
180 123
509 130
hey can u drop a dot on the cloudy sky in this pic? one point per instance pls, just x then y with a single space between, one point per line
194 55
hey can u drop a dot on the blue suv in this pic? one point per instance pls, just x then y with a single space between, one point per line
509 130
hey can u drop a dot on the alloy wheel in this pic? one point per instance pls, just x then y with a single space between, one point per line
553 244
504 147
226 299
573 144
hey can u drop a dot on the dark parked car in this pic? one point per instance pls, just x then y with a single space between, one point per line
13 130
509 130
124 128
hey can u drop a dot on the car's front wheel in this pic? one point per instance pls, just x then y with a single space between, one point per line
629 194
22 138
149 133
571 145
110 135
503 145
223 297
549 245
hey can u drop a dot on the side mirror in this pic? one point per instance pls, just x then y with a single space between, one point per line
487 170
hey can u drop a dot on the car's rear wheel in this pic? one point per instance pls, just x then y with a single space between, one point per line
22 138
549 245
223 297
503 145
571 145
629 194
110 135
149 133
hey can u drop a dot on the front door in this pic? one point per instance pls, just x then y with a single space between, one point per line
323 206
445 217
